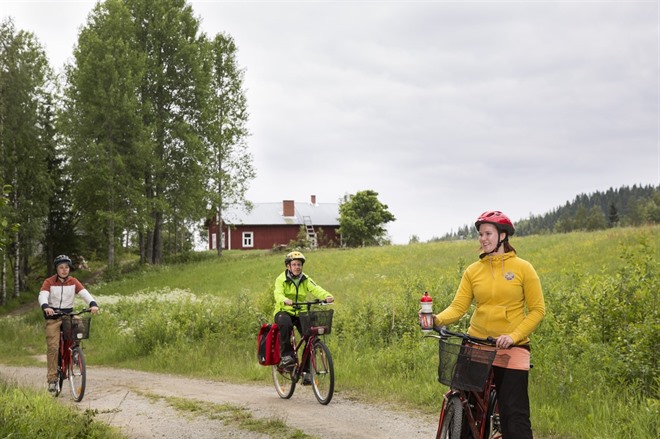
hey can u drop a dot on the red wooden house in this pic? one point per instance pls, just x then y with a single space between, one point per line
269 225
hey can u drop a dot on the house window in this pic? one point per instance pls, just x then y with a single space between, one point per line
248 239
223 240
213 241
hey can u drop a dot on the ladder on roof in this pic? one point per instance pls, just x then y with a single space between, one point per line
311 233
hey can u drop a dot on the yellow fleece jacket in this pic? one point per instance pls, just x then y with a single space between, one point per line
502 285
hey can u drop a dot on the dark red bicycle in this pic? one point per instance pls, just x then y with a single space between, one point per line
469 409
71 364
313 360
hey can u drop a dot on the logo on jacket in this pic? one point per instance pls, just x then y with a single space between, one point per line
508 275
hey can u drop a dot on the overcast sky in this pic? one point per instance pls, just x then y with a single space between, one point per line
445 108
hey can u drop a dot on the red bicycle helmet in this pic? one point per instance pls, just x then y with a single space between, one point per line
498 219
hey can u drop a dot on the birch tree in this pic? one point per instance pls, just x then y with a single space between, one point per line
24 92
168 35
231 169
103 125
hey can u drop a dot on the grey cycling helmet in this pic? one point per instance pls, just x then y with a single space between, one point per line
63 259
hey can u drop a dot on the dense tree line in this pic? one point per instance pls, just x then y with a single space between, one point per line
626 206
143 136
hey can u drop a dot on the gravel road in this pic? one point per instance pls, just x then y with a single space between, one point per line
122 399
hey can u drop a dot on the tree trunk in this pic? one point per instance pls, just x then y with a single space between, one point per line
149 246
3 279
157 239
17 242
17 266
111 243
142 242
219 238
25 267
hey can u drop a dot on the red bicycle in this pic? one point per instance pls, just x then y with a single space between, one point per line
71 364
313 360
469 409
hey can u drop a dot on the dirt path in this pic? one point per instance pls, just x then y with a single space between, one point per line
121 398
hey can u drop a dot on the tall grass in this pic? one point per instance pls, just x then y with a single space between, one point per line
596 365
26 413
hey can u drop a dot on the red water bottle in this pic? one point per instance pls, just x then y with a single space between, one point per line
426 315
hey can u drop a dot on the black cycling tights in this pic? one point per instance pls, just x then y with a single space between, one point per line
513 400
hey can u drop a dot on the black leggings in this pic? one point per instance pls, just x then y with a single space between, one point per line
285 323
513 400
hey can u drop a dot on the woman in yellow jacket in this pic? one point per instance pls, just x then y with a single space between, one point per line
509 306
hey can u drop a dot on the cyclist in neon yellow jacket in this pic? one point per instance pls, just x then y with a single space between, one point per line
293 286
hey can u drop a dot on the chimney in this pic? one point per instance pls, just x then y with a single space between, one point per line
288 208
313 200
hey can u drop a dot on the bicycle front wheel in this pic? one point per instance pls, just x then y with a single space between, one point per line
77 374
284 382
323 373
452 421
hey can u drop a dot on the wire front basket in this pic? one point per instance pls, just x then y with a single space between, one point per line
76 328
464 367
316 322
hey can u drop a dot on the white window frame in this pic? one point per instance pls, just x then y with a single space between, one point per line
248 239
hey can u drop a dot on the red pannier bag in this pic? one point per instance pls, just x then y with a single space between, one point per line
268 344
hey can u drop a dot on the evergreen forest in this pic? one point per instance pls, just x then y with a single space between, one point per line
623 207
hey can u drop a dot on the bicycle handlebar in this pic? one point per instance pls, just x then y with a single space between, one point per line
299 305
72 313
445 333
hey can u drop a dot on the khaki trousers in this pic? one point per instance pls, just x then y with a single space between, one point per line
53 346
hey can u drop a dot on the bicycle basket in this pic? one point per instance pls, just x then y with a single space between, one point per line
316 322
464 367
76 328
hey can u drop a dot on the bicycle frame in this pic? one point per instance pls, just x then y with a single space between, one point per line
65 354
308 342
479 412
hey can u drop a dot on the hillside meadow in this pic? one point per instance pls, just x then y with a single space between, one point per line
595 355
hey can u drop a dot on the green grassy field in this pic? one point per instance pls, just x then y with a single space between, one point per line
595 355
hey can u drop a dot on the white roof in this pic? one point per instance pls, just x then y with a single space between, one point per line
262 214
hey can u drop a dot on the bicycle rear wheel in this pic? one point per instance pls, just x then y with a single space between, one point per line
77 373
284 382
452 421
323 373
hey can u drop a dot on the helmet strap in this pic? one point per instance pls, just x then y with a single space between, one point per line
497 247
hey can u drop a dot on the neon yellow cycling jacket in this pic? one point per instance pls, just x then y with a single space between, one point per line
297 290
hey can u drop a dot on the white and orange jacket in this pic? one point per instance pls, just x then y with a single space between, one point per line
61 295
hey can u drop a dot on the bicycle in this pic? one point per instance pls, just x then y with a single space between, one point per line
469 408
71 364
310 350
